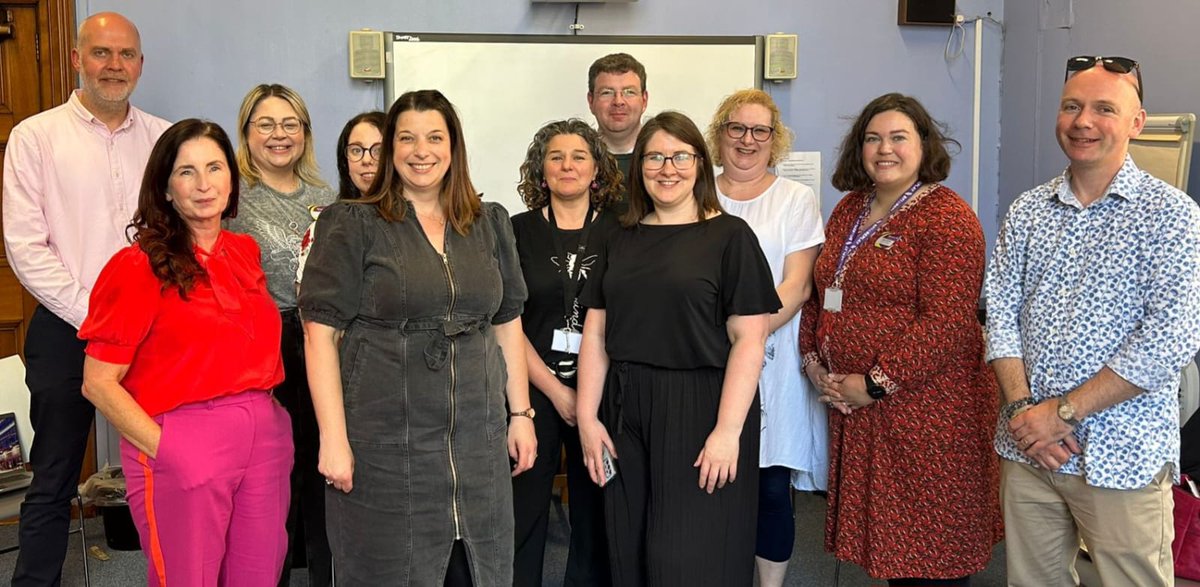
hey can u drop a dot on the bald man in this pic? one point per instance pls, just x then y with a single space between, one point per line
1093 298
71 181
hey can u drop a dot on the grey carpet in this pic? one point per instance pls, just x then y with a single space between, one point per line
810 566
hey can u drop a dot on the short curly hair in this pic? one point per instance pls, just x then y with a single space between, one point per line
850 175
533 189
781 140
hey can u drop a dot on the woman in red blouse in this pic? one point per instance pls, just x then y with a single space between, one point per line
183 350
892 342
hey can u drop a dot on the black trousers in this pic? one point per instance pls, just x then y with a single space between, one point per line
663 529
587 557
308 545
61 420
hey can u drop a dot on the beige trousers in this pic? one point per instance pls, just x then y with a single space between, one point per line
1128 532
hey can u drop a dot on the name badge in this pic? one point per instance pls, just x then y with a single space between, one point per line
887 241
566 341
833 299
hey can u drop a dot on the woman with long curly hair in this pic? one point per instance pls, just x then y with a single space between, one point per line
569 181
182 354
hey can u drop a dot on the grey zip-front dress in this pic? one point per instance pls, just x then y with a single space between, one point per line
423 380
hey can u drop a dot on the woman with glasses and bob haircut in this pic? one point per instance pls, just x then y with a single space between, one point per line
280 186
182 355
672 349
747 138
893 343
358 149
412 304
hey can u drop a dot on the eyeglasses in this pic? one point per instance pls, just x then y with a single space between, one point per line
682 160
266 126
737 130
355 151
607 94
1120 65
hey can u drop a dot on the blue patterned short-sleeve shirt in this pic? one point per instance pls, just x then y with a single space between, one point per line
1072 289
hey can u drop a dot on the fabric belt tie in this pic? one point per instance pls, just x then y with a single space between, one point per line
438 349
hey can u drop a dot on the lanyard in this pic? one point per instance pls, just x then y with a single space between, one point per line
570 275
856 239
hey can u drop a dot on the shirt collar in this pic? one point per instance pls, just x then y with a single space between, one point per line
76 106
1125 185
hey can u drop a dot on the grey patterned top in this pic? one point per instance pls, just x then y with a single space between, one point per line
278 221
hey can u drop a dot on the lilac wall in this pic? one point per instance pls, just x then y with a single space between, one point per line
1039 38
201 57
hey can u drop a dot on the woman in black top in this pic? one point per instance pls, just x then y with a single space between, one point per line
673 345
568 181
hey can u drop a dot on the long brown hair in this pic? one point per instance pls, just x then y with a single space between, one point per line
460 202
850 175
158 229
681 127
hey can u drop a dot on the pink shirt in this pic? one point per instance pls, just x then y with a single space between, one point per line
70 189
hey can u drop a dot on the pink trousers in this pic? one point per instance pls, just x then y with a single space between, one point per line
211 508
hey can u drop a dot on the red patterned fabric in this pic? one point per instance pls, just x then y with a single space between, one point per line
913 479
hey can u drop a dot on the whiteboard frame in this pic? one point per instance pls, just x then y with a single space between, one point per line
493 176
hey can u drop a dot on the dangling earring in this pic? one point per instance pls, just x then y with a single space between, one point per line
543 184
595 186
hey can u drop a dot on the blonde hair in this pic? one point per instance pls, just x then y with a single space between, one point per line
306 167
781 140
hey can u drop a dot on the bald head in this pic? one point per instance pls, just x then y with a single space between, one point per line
1098 113
108 57
106 21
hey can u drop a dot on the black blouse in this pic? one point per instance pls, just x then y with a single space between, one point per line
543 271
668 290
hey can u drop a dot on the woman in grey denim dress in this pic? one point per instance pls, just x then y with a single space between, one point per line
411 300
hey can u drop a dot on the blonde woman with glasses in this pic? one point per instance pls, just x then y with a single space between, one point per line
280 181
747 137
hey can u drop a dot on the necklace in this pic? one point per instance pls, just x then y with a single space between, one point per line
433 219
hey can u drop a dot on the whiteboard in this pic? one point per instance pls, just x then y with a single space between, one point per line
505 87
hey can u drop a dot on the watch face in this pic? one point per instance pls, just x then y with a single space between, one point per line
1066 411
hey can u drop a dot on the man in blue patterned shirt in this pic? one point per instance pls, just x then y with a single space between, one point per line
1093 298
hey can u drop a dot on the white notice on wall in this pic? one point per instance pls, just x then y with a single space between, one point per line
803 167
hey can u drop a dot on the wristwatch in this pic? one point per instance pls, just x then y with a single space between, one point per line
530 413
875 390
1066 411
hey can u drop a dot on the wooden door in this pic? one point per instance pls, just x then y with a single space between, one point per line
35 75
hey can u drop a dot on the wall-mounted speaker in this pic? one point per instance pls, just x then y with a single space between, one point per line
927 12
366 54
780 61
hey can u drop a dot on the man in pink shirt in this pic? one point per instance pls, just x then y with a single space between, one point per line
71 181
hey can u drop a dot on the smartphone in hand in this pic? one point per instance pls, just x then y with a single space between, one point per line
606 462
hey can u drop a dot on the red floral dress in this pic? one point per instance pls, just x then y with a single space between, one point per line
913 479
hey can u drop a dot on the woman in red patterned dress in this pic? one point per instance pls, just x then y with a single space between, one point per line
892 342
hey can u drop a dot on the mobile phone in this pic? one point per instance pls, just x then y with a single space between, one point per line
606 462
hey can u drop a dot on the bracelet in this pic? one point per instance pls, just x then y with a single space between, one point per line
1011 409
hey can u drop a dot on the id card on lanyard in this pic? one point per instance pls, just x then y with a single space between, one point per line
858 236
566 339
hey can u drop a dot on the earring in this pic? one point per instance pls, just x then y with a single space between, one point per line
543 184
595 186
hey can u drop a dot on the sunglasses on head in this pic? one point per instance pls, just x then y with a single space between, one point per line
1120 65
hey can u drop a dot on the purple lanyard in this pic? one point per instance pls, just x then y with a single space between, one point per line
856 239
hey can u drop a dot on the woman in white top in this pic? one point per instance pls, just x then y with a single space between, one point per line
747 138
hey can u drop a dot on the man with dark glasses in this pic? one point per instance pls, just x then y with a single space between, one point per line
1093 297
